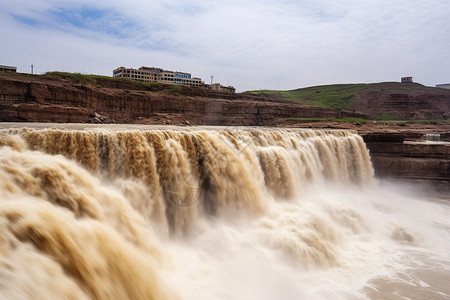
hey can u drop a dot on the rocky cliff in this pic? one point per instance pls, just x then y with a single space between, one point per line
410 155
53 98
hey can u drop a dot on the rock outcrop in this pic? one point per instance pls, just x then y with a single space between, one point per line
409 156
403 101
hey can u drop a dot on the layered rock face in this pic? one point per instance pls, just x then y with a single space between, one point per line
53 99
414 101
410 156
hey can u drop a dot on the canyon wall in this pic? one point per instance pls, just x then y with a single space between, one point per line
53 99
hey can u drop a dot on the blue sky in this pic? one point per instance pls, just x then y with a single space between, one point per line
251 44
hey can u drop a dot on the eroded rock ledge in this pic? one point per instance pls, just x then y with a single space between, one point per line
410 156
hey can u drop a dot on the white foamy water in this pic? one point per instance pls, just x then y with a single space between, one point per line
211 213
334 244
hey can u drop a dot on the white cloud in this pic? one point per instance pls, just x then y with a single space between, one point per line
250 44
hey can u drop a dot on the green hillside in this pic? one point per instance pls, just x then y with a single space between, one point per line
339 96
331 96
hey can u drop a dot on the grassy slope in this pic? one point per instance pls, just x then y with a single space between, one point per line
340 96
77 77
331 96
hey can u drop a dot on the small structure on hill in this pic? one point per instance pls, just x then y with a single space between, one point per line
7 69
222 88
407 80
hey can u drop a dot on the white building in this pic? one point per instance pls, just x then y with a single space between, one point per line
152 74
8 69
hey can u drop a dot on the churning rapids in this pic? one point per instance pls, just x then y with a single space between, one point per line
116 212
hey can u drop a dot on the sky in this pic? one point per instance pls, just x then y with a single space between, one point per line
250 44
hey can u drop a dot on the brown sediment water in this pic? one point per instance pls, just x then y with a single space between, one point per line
139 212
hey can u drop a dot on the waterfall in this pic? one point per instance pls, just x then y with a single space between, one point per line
186 173
110 213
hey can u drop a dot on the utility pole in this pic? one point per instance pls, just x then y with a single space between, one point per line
32 69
